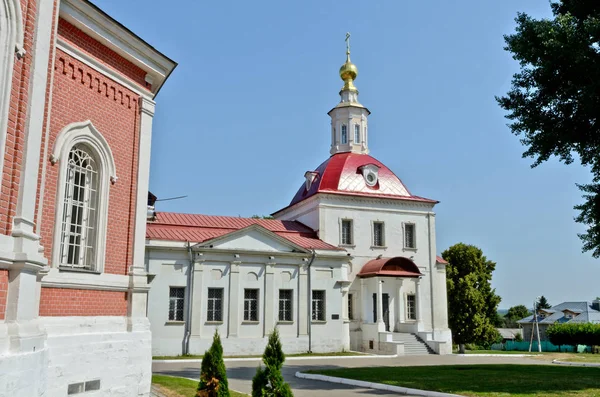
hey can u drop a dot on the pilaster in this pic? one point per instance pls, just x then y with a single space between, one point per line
269 298
234 299
303 296
196 299
419 312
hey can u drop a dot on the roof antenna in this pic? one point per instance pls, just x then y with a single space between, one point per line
172 198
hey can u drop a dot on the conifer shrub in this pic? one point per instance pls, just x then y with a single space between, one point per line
213 375
268 381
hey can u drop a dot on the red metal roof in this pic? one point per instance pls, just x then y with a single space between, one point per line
390 267
439 259
340 174
198 228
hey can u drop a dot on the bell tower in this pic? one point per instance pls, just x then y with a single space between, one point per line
349 126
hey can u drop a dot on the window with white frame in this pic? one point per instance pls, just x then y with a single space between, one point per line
409 236
215 305
176 301
285 305
344 137
350 308
346 232
79 218
318 305
411 307
378 234
356 133
250 305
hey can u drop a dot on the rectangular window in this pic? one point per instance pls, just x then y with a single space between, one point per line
344 135
318 305
176 295
356 133
350 308
411 307
346 232
409 236
215 304
378 240
285 305
250 305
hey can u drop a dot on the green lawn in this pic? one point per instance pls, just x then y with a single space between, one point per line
199 357
498 352
180 387
581 358
485 380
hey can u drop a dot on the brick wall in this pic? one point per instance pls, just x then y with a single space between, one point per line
81 93
77 302
3 292
13 154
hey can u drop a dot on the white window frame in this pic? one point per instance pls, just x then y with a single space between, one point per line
182 303
248 312
283 311
83 133
356 133
344 135
414 309
382 223
414 226
221 299
319 315
342 220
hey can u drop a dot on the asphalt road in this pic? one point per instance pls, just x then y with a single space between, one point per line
240 372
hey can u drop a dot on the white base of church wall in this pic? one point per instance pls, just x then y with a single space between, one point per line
24 374
83 349
247 346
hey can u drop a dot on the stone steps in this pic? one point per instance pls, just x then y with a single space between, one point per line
413 345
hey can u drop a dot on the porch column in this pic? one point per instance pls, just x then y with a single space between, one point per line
418 304
364 298
234 299
399 304
380 323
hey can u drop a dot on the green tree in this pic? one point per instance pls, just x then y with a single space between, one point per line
472 303
515 314
213 375
554 101
269 382
543 303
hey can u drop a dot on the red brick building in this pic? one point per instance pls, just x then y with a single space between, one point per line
77 96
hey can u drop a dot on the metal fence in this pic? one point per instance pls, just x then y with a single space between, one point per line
546 347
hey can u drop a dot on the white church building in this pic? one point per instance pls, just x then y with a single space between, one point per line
349 264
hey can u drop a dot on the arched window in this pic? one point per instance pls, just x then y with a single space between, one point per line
356 133
86 170
79 220
344 138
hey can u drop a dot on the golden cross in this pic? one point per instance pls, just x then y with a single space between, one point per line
347 43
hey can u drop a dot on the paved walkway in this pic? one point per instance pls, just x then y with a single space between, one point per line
240 373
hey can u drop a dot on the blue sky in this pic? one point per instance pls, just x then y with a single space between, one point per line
244 115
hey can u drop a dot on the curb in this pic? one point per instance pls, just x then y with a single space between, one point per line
572 364
497 355
376 386
199 360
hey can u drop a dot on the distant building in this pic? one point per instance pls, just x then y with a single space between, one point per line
509 334
350 263
566 312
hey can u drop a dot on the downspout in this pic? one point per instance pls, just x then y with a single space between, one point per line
309 295
190 294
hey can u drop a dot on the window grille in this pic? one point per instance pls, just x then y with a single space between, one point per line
411 307
356 133
409 236
176 300
344 134
318 305
250 305
215 304
285 305
347 232
350 308
78 237
378 240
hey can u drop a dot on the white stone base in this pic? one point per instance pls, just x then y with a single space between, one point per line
246 346
23 374
82 349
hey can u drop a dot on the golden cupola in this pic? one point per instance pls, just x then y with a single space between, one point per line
348 71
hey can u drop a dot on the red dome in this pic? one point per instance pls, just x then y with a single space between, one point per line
341 174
